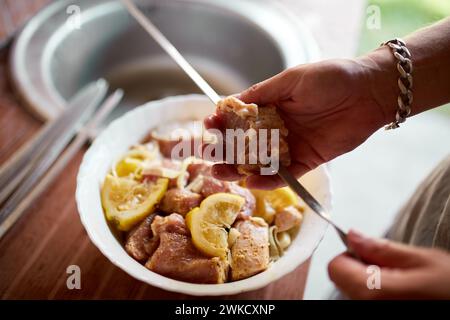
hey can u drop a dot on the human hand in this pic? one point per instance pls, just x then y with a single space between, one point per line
328 107
407 272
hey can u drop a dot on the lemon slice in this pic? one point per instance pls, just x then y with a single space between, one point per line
127 166
208 223
126 201
268 203
134 160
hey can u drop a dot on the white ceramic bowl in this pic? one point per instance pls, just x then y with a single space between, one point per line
130 129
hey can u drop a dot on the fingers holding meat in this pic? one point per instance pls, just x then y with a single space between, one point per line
232 113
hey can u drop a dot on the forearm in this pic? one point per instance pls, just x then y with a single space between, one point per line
430 50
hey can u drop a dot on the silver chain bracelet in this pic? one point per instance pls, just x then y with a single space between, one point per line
405 82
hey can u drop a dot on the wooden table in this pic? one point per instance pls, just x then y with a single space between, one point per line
36 251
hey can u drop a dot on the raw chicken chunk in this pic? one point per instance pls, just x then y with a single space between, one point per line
236 114
140 244
250 252
177 258
288 218
196 169
208 185
173 223
250 201
180 201
211 185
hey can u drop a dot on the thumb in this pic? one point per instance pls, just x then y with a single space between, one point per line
385 253
272 90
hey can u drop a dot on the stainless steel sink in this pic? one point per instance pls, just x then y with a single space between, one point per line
233 43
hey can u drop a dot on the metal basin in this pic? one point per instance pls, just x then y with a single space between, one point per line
232 43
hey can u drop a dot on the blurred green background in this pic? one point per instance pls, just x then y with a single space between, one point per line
401 17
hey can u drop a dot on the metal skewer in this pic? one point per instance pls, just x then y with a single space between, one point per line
304 194
171 51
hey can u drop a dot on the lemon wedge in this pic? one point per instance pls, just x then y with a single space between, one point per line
126 201
208 223
268 203
127 166
133 161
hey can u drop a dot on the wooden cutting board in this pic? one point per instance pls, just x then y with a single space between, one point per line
36 252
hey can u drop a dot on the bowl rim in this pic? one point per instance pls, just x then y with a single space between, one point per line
230 288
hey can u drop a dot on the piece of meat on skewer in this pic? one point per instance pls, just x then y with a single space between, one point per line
235 114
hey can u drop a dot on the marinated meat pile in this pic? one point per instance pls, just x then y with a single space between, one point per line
162 241
166 194
200 185
236 114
